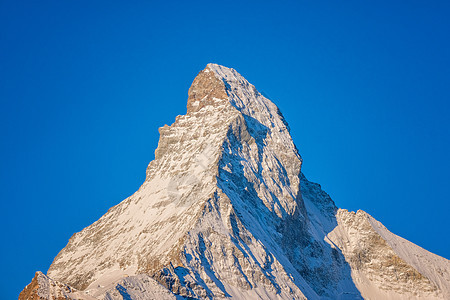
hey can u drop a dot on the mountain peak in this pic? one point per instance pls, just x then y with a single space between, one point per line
207 90
217 83
225 211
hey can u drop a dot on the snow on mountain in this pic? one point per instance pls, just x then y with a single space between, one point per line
43 287
226 212
385 266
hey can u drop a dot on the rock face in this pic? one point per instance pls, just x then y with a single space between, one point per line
391 266
42 287
226 212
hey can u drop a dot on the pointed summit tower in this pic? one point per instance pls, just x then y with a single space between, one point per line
226 212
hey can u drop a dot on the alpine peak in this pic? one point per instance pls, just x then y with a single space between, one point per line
225 211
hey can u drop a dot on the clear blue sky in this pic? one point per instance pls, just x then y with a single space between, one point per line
84 86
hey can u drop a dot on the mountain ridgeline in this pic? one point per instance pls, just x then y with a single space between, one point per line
225 212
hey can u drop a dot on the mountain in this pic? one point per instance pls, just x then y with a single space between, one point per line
225 211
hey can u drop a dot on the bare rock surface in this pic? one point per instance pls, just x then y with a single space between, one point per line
42 287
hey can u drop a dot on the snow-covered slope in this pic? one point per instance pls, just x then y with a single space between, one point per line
226 212
385 266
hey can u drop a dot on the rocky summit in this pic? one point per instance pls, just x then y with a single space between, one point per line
226 212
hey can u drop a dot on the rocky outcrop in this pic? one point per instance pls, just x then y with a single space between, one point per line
206 90
42 288
387 269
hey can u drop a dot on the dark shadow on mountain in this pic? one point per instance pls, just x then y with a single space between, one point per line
209 271
298 233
